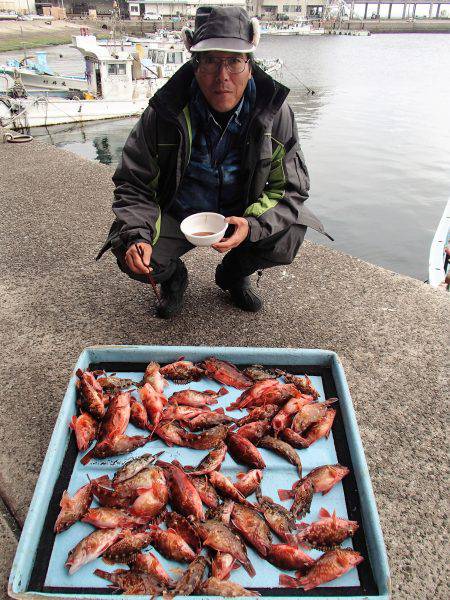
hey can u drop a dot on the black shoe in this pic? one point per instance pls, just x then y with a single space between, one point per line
240 291
172 293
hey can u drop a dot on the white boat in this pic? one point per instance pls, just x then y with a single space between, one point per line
270 65
439 265
303 27
37 77
119 86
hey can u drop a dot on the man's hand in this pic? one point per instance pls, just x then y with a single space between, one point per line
134 261
240 234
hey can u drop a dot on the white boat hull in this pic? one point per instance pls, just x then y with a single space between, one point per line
47 83
56 111
441 239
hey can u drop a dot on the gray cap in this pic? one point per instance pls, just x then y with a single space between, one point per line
225 28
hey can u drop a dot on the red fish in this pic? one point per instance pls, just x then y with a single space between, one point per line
135 583
206 440
183 495
117 416
85 428
219 537
211 462
215 586
91 547
254 431
182 371
171 545
113 446
154 403
226 488
252 395
303 384
252 528
197 399
327 533
92 399
288 557
247 483
125 550
183 527
183 413
152 490
260 413
108 518
148 563
282 418
106 496
226 373
302 494
310 414
73 509
208 420
138 415
154 377
244 452
280 520
329 566
319 430
171 434
322 478
205 490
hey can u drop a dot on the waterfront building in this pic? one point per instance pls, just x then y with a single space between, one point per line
174 8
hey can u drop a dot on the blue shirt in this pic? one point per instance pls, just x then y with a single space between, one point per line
211 182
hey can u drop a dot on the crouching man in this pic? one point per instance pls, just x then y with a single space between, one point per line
218 137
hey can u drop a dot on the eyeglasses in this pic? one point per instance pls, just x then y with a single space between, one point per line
212 64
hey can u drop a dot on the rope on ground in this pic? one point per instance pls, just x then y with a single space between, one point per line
310 91
19 138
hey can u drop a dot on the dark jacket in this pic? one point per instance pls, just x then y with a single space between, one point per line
274 178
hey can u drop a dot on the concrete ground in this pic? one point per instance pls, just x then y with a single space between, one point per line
389 330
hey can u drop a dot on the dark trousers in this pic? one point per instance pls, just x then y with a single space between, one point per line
249 257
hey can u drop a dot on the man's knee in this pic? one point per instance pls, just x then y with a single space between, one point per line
282 248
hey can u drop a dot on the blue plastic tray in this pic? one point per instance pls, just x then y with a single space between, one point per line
38 569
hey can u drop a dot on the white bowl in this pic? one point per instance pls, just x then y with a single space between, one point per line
209 223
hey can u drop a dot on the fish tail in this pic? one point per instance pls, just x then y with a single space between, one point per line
285 494
287 581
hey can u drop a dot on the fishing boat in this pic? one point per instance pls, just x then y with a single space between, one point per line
439 261
119 85
302 27
37 76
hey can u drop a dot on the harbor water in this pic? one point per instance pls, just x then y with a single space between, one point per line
375 133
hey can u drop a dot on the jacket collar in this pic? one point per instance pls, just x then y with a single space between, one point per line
175 94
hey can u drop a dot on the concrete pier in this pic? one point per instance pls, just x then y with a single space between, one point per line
390 332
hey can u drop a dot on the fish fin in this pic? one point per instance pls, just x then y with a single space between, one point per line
249 568
65 500
241 475
219 411
288 581
73 422
142 490
301 525
324 513
285 494
235 566
101 573
222 391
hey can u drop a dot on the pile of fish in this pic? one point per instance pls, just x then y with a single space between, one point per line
211 519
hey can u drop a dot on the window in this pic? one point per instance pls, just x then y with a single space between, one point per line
117 69
134 8
285 8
